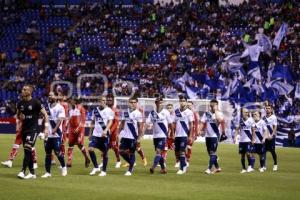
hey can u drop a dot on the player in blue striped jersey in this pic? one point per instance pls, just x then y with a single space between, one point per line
161 122
245 129
131 133
259 137
99 135
184 122
211 121
271 121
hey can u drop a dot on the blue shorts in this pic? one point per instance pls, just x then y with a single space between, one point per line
180 143
259 149
128 144
244 147
101 143
52 144
270 144
159 143
211 144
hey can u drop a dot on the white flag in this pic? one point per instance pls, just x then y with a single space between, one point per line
280 34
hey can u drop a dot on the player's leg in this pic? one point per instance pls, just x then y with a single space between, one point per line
158 145
48 151
115 146
262 155
124 146
141 153
14 150
177 152
80 142
189 151
273 153
29 140
181 144
251 158
242 152
104 146
132 149
72 139
59 155
34 158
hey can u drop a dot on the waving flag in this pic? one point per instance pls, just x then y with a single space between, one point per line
280 34
281 87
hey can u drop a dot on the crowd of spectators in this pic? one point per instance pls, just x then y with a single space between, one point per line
146 48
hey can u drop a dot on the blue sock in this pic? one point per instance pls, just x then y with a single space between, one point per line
48 162
162 162
104 161
94 159
125 156
182 161
211 161
132 161
156 160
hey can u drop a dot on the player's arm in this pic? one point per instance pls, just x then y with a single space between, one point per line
274 131
191 125
266 134
106 130
46 121
92 126
236 133
253 135
202 125
61 117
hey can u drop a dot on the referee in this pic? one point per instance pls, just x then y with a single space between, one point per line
28 110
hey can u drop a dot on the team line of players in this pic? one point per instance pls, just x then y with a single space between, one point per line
177 128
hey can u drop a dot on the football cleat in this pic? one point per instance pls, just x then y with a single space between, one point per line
128 173
94 171
30 176
275 167
151 170
102 173
64 171
208 171
46 175
7 163
21 175
243 171
217 170
250 169
177 165
35 166
180 172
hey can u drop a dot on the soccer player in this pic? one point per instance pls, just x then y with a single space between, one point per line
161 121
271 121
170 138
102 119
28 110
114 130
245 129
76 130
184 122
131 133
194 132
211 121
64 103
14 151
56 113
259 138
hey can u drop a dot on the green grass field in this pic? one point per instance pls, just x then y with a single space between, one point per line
230 184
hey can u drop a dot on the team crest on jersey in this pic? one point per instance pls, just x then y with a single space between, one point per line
30 107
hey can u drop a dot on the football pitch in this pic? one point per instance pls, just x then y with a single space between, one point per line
229 184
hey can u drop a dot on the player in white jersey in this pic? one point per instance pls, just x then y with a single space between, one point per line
271 121
102 119
259 138
161 122
184 123
131 133
211 121
245 129
56 113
